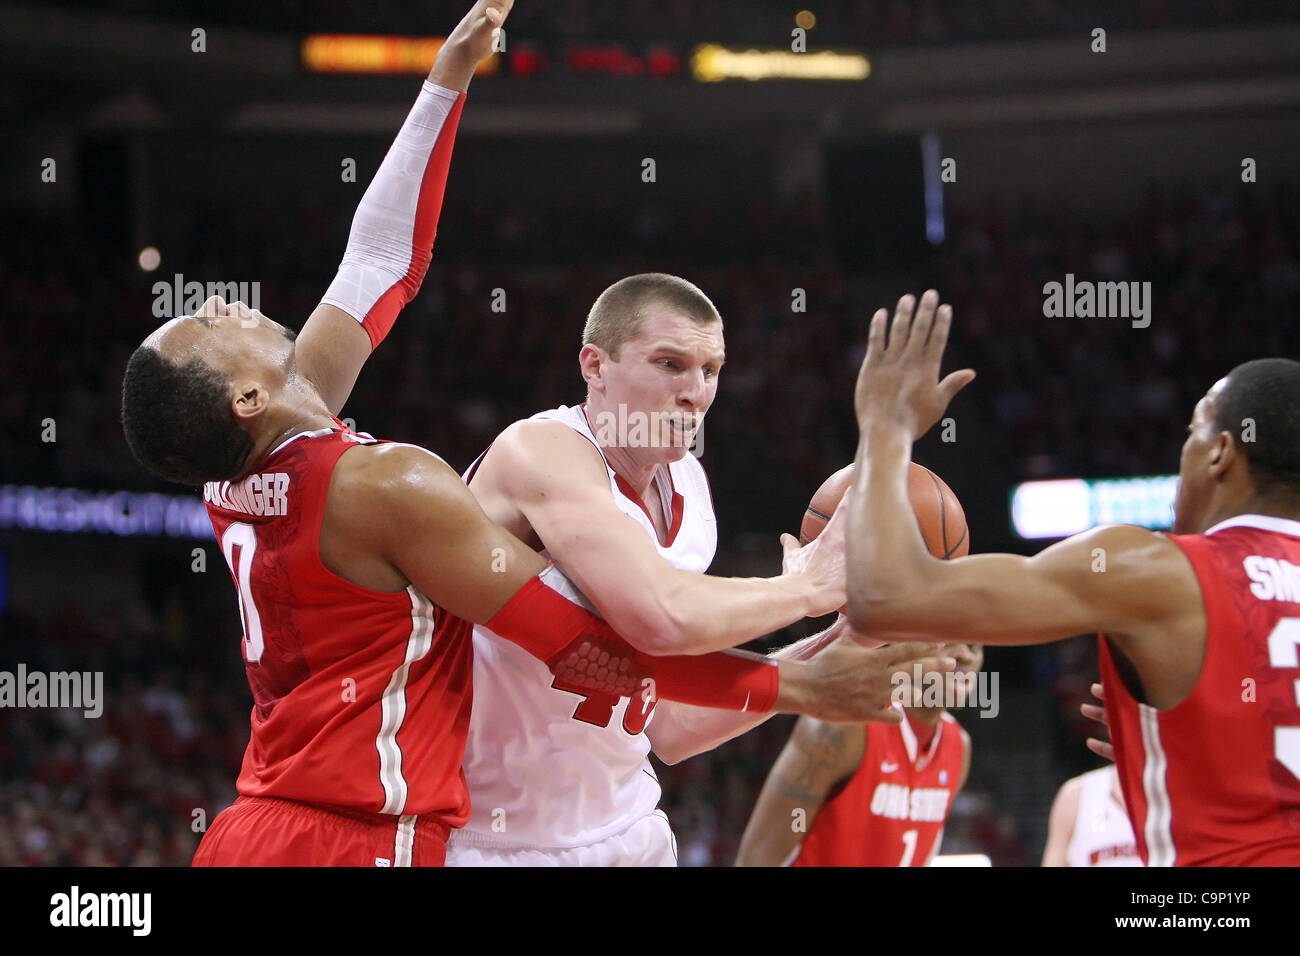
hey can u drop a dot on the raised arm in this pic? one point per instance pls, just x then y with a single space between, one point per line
817 756
391 243
1134 585
558 482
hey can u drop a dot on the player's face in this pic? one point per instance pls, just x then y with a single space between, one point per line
243 343
969 658
1195 483
668 376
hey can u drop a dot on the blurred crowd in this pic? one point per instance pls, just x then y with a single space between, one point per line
872 23
135 786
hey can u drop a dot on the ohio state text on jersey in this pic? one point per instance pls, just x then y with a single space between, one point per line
892 810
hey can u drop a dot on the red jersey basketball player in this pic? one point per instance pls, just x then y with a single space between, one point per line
863 794
1199 628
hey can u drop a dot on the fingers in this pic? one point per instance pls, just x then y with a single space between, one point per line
789 545
933 665
1094 712
937 335
1102 749
953 383
876 335
1098 691
902 323
920 333
905 650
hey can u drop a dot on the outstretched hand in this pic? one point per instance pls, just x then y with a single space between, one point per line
479 28
822 560
1097 712
473 41
850 682
899 380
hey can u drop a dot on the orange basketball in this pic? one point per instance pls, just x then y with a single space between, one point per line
937 510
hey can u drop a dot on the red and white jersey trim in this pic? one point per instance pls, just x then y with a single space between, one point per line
393 704
1159 825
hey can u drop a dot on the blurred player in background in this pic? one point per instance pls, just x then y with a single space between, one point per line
1089 825
865 794
1199 629
360 564
609 492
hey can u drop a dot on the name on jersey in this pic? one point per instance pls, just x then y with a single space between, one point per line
1273 579
1125 851
265 494
898 802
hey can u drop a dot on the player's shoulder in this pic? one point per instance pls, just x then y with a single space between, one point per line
388 467
1127 540
540 447
1072 789
1148 568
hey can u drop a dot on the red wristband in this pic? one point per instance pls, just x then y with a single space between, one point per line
582 649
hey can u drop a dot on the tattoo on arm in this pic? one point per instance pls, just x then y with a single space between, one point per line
827 750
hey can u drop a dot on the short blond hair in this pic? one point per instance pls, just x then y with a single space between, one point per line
618 313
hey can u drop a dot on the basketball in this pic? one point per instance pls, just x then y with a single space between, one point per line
937 510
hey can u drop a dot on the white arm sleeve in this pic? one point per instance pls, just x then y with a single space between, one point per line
391 242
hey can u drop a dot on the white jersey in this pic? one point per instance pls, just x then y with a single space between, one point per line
1102 834
549 767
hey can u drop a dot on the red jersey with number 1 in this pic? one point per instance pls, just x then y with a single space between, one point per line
892 810
1213 781
361 698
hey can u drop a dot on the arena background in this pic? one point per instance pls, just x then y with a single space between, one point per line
1169 158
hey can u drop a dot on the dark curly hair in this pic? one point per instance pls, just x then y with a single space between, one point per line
1262 401
177 419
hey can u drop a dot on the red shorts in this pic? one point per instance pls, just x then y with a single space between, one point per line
269 831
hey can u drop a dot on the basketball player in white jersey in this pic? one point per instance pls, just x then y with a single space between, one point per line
608 491
1089 824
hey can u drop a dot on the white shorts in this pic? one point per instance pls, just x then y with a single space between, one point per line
648 842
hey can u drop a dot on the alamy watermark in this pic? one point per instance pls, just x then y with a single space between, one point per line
1102 300
179 297
133 911
637 429
82 690
934 689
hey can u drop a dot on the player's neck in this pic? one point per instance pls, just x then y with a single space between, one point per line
1240 498
637 473
1275 506
929 716
300 409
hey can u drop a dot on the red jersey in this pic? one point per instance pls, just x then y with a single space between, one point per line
892 810
361 699
1213 781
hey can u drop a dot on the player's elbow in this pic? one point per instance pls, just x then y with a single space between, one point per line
646 627
660 621
886 597
670 753
871 610
928 615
